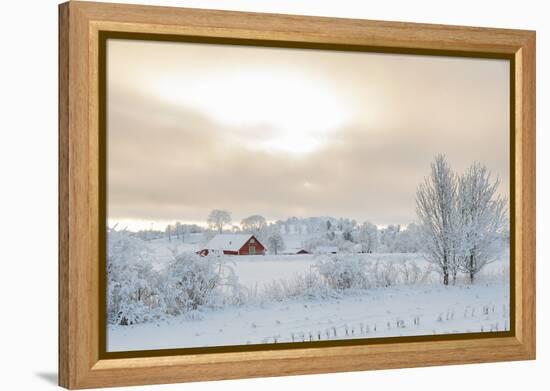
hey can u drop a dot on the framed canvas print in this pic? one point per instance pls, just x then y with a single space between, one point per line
249 195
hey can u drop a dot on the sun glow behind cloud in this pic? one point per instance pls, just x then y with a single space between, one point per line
300 110
283 132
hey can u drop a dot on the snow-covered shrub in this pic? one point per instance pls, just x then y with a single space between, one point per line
354 271
383 274
193 282
301 286
133 312
410 273
132 284
344 271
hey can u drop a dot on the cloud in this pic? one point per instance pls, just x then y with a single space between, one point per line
170 162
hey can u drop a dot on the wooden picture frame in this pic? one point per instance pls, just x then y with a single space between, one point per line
82 364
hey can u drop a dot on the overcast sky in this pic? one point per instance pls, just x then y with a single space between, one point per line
288 132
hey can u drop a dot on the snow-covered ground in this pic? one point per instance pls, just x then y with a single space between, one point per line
258 270
425 309
381 312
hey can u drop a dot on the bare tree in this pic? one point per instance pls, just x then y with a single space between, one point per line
218 218
483 219
275 243
254 224
436 210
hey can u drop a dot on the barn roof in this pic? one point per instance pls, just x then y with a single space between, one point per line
232 242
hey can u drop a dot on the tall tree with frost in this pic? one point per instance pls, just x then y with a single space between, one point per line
482 219
436 211
254 224
368 237
218 218
275 243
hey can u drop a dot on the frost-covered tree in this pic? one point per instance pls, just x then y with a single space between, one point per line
275 243
462 220
368 237
408 240
218 218
388 237
347 235
254 224
482 219
436 205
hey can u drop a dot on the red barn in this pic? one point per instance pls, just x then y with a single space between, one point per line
234 244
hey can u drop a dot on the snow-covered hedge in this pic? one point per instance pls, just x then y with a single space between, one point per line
137 292
133 294
301 286
193 282
342 272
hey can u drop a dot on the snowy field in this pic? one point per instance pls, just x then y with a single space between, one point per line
424 308
259 270
382 312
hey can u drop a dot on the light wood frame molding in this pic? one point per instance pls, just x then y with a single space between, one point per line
80 364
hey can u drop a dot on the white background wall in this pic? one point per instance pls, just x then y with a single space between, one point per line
28 195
